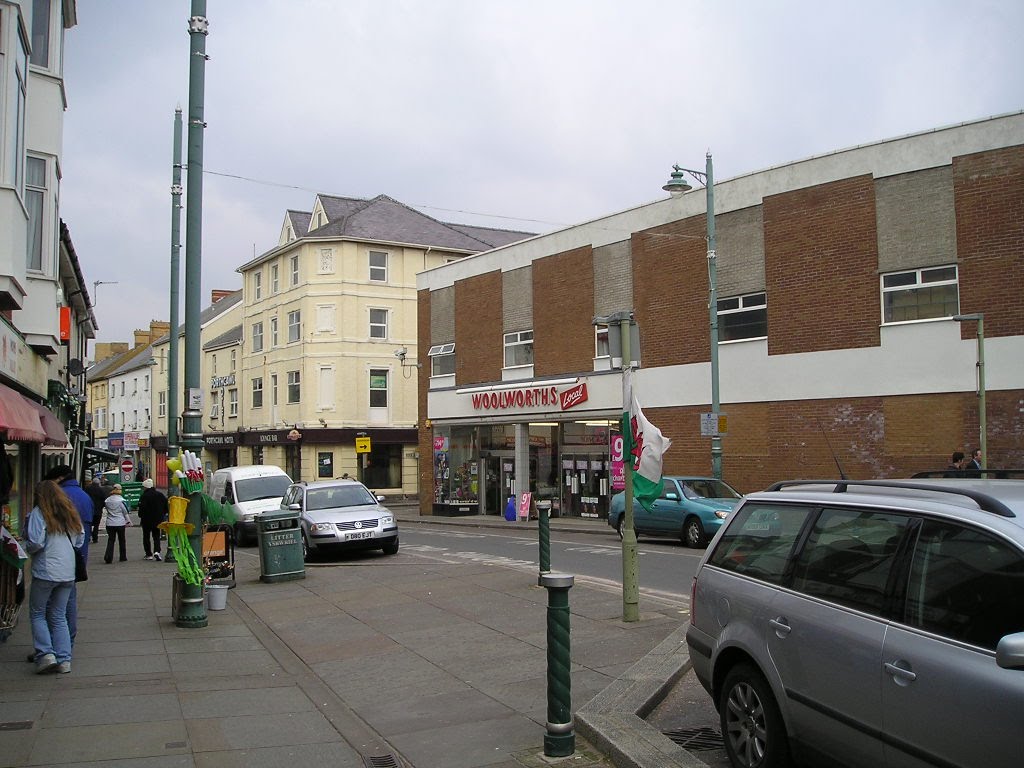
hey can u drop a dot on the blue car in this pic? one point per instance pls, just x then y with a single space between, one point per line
691 509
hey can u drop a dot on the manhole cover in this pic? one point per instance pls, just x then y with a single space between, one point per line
697 739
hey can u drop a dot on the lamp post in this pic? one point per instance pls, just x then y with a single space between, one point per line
982 426
676 186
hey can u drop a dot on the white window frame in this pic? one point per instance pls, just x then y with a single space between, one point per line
294 266
275 280
377 373
273 333
273 389
378 273
233 403
36 204
234 360
294 387
257 337
294 325
16 157
161 404
442 357
747 303
257 285
381 327
514 342
41 26
602 343
214 406
257 388
922 278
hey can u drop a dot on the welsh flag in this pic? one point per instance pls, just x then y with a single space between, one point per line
644 445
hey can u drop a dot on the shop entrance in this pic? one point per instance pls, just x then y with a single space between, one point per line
498 481
585 484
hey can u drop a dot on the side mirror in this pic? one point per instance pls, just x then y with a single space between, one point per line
672 496
380 498
295 507
1010 651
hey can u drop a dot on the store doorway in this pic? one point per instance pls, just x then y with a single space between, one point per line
498 481
585 484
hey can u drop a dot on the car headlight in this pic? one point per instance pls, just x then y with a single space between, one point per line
322 527
387 520
721 514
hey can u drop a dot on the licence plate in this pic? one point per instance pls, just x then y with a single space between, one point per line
358 535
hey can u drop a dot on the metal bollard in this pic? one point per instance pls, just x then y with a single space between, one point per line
560 738
544 528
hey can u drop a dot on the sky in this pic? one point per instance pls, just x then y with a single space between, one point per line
521 114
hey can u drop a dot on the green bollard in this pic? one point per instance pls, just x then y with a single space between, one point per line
560 738
544 529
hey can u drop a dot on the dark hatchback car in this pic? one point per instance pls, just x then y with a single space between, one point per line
690 509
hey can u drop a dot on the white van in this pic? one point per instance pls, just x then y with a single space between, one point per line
250 491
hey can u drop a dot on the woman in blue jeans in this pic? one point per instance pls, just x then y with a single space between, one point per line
53 531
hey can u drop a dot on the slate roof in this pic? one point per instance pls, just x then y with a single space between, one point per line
208 314
299 221
226 339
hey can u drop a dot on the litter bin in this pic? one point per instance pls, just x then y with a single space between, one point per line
280 539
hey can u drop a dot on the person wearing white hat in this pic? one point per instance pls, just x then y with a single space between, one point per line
118 518
153 510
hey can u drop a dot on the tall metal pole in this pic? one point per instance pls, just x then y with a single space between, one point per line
630 559
193 613
172 353
716 440
979 317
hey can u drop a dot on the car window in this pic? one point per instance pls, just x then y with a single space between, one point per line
759 540
292 496
338 496
966 585
848 557
269 487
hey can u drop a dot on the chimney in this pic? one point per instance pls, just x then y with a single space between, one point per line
107 349
219 293
141 338
158 329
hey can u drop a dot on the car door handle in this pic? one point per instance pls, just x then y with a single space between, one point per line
902 674
781 626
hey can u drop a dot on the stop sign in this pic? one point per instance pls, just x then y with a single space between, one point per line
127 466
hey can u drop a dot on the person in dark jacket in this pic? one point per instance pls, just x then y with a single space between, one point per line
152 511
98 492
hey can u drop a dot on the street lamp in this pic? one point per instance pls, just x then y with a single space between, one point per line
676 186
982 426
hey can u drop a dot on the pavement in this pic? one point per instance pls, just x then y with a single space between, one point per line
367 662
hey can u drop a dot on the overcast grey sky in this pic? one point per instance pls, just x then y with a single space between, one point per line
533 114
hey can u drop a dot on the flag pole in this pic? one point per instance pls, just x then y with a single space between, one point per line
630 559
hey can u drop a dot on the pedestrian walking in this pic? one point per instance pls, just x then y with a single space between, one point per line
53 530
118 518
956 465
973 465
64 476
153 510
98 492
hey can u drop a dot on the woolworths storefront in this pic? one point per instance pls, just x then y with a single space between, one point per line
556 438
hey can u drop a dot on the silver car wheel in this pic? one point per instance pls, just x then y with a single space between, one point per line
693 533
754 733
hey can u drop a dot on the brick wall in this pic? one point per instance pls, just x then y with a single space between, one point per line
989 196
821 262
563 313
479 353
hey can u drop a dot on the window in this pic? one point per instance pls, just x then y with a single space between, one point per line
602 346
35 201
135 386
325 393
275 280
743 317
111 390
293 386
257 392
848 557
145 383
326 265
16 148
257 285
442 359
146 414
294 325
234 360
378 388
41 33
135 419
215 407
161 405
965 585
758 543
920 294
294 262
518 348
273 332
233 403
122 388
379 266
213 363
378 323
257 337
273 389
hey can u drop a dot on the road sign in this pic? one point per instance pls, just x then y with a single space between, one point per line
710 426
362 445
127 465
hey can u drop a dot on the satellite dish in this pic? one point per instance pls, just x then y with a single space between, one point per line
75 367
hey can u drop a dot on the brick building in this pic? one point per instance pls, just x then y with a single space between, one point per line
838 280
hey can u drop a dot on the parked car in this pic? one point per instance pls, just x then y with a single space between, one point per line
249 491
691 509
339 515
866 623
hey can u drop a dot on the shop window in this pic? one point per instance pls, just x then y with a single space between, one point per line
383 467
920 294
456 470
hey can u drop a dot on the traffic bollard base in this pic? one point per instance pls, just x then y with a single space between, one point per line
559 744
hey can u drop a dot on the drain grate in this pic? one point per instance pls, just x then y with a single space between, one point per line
697 739
384 761
16 725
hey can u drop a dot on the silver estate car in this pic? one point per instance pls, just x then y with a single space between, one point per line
866 623
340 515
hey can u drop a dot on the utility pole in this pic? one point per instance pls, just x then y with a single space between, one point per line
193 612
172 352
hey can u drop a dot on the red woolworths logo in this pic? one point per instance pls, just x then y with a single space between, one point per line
515 398
574 396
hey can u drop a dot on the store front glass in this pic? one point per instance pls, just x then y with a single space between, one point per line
456 471
585 462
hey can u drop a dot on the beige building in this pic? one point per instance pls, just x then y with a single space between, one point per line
328 343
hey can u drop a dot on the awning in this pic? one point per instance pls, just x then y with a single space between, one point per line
55 434
19 418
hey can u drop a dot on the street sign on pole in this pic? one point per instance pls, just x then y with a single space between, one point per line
713 424
127 465
362 445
